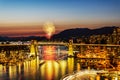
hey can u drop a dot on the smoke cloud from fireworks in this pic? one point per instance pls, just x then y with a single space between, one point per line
49 29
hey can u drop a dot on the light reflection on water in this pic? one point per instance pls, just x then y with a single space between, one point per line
49 68
31 70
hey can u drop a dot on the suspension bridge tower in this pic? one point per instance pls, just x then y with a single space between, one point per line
70 47
33 48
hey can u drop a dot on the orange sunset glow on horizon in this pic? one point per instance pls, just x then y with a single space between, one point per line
27 17
37 30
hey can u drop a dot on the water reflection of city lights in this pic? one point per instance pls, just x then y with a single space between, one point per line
49 49
49 53
63 66
50 68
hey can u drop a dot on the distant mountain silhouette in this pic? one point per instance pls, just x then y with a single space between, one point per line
66 34
79 32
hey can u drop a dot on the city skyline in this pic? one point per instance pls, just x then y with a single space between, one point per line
26 17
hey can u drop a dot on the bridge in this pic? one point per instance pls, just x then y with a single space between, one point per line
34 44
52 43
14 45
76 44
61 43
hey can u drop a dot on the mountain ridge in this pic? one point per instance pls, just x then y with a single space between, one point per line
66 34
79 32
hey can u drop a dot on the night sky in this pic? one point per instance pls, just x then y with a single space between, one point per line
26 17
